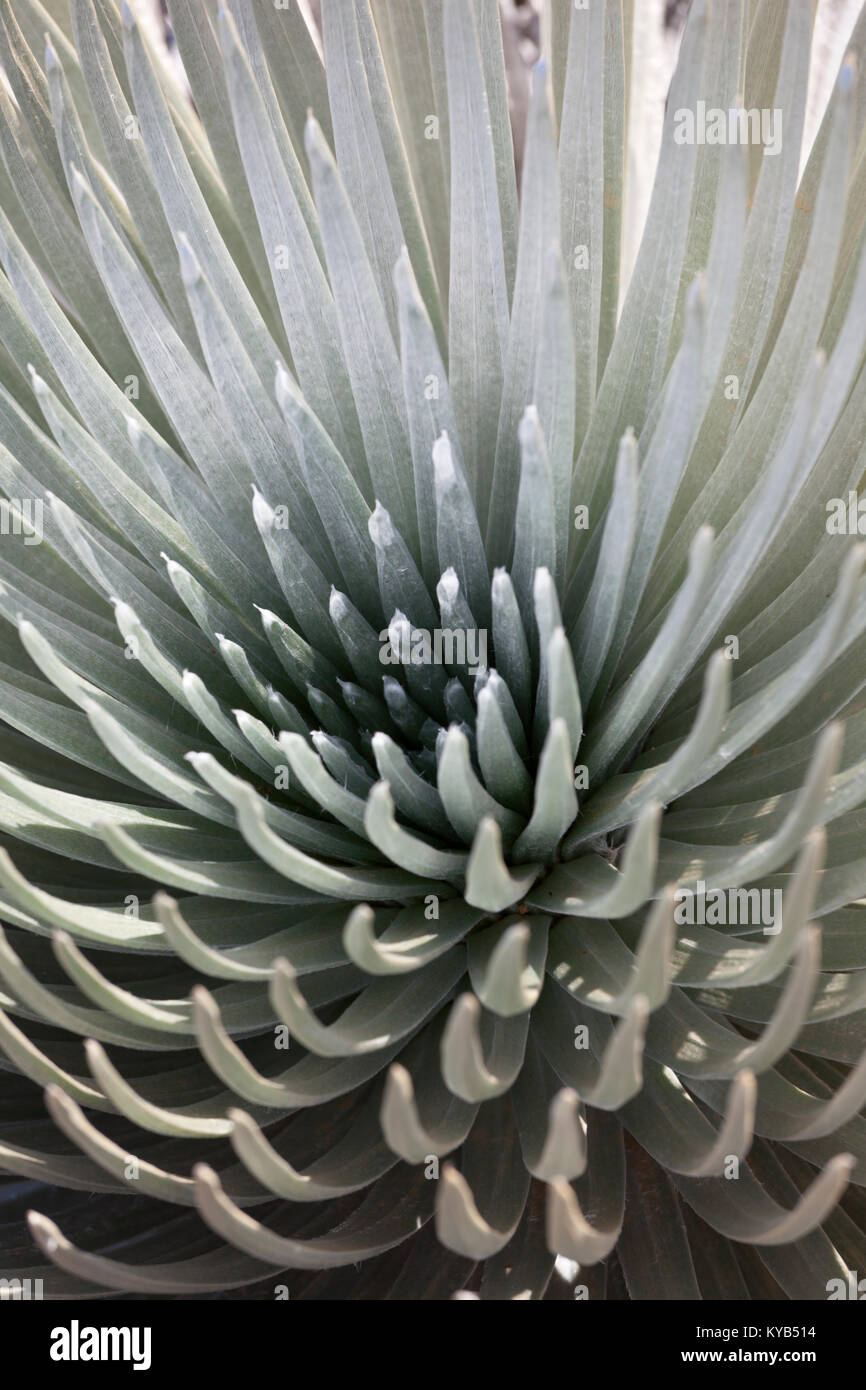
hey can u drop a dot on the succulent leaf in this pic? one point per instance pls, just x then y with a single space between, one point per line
431 722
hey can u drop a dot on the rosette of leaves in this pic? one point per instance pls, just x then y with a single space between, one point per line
352 979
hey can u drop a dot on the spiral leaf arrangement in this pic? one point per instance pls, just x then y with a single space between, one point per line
418 649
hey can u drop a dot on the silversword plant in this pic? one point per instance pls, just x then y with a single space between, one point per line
364 980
